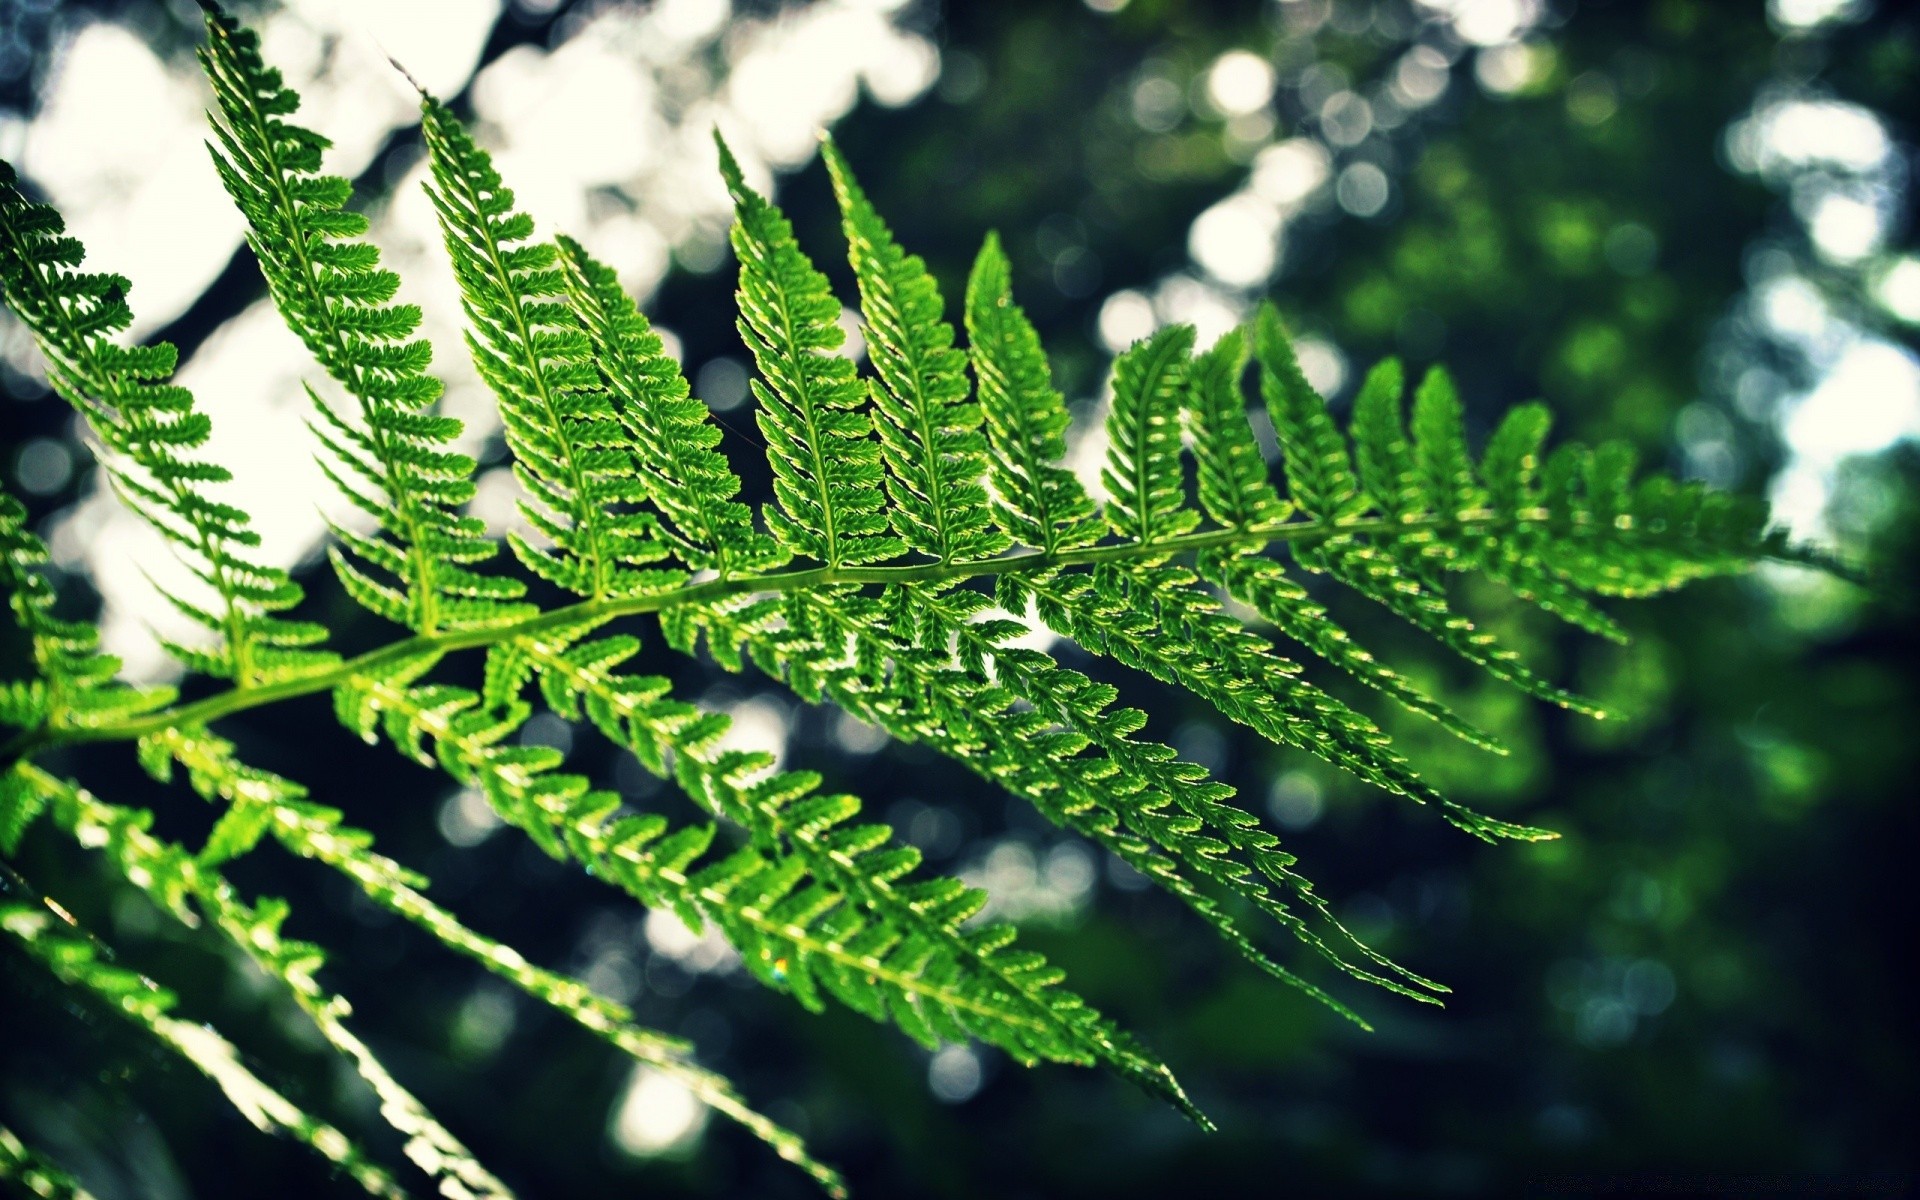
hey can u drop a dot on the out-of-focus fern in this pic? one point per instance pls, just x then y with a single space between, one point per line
33 1174
46 933
917 519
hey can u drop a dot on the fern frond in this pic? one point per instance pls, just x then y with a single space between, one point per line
826 464
784 812
393 462
1238 493
29 1171
262 803
904 517
73 684
1036 730
147 429
1509 469
1147 777
929 424
47 934
672 436
1036 500
1264 586
1392 573
794 930
1155 620
172 877
1143 474
571 452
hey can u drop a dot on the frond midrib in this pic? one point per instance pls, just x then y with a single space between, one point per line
226 703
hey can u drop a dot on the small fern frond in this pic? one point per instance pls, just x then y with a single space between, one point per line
1235 489
672 435
1237 492
571 453
1264 586
929 423
826 464
147 429
1036 500
1382 453
73 684
1394 572
1034 729
832 647
78 959
1143 473
1158 622
393 462
1184 814
30 1172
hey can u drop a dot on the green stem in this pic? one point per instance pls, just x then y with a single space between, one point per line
234 700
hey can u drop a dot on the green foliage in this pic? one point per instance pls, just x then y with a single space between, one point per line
46 934
930 520
826 465
571 452
672 436
392 463
73 683
147 429
32 1174
1037 501
928 426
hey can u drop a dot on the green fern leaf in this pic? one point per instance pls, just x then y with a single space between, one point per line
1237 492
899 616
171 877
1117 796
1157 622
783 810
1321 475
1235 488
80 960
1037 501
394 462
672 436
1143 475
147 428
1265 586
73 684
795 931
928 424
315 832
826 463
570 449
1381 450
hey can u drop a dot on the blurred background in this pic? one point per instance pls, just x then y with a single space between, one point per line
1680 222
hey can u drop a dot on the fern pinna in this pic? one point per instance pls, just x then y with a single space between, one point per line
921 522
